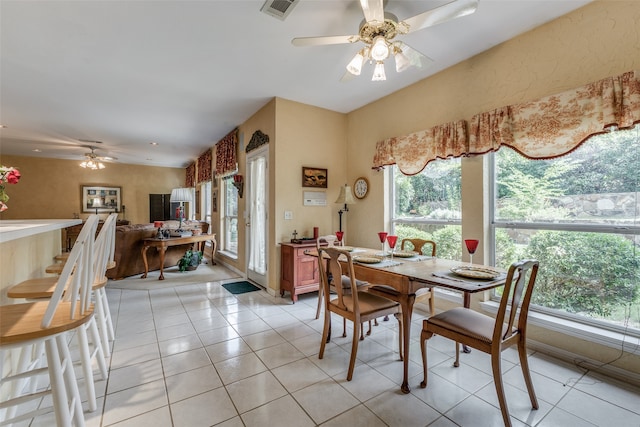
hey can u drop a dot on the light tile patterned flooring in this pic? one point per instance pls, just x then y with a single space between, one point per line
196 355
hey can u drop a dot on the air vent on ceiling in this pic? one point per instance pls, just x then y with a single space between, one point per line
278 8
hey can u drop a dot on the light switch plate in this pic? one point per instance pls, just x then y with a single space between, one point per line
288 215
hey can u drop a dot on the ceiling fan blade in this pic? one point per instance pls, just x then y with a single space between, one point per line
373 10
413 57
447 12
324 40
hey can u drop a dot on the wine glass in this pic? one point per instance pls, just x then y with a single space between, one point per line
339 236
382 235
472 245
391 240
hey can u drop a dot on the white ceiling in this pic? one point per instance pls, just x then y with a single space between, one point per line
185 73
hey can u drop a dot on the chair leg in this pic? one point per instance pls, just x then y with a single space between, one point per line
457 361
400 334
354 348
496 357
101 317
344 327
326 330
85 358
320 299
524 364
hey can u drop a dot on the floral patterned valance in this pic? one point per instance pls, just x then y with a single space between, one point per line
204 166
190 178
557 124
412 152
226 154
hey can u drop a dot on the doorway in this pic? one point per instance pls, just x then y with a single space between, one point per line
256 219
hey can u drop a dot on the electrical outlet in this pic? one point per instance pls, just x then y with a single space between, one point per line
288 215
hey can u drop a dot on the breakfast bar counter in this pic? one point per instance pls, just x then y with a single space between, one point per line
26 248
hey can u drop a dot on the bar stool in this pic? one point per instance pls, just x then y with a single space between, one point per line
98 325
45 323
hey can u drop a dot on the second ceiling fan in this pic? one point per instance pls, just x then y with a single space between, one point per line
378 31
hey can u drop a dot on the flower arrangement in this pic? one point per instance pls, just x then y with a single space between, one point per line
8 175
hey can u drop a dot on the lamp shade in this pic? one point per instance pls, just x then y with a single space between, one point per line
181 195
346 196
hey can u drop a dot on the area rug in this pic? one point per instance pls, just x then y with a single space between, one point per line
240 287
174 277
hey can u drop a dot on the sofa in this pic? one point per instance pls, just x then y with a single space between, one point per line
128 248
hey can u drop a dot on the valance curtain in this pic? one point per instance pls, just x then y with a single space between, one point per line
226 154
204 166
557 124
190 178
412 152
541 129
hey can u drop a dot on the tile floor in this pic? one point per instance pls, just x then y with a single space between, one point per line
196 355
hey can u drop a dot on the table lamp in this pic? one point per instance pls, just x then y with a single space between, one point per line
345 197
181 195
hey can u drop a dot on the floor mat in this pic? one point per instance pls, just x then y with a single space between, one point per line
240 287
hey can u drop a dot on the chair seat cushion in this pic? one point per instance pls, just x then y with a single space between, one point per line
346 282
464 322
368 303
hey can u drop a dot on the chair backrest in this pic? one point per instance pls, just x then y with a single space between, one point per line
516 297
76 277
419 245
103 247
330 240
334 269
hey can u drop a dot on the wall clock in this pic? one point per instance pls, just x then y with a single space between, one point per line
361 187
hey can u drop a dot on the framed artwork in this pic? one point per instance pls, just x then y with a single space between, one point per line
214 201
314 177
100 199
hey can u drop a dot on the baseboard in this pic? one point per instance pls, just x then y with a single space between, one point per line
586 363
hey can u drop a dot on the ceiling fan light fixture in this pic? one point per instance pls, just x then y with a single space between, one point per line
378 73
379 49
355 66
402 62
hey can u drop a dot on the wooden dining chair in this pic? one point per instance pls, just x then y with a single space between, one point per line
28 326
424 247
425 294
331 241
490 335
355 305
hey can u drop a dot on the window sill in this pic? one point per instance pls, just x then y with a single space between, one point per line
228 254
589 333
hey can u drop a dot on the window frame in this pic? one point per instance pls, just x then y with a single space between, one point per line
551 226
226 218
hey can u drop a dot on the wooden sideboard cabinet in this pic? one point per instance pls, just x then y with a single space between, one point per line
298 272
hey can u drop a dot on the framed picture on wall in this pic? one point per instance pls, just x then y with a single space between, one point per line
100 199
214 201
314 177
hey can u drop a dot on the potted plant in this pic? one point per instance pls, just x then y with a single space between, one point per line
190 260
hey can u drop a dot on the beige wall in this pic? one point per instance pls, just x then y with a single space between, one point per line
599 40
50 188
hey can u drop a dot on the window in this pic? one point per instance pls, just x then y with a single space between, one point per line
230 217
206 202
428 205
579 216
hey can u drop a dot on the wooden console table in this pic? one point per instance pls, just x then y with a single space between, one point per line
161 246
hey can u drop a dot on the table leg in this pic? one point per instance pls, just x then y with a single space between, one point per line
406 302
466 302
146 264
162 252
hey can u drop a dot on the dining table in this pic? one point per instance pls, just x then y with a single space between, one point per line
408 274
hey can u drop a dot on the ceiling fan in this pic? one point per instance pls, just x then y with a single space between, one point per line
378 30
93 161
